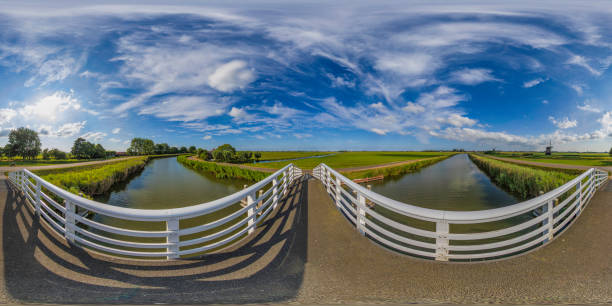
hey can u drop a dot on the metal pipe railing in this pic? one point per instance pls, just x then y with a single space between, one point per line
63 211
391 223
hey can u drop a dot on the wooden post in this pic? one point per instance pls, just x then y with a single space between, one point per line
38 195
361 213
275 192
69 226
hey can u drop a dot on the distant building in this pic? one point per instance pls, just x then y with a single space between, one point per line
548 149
121 154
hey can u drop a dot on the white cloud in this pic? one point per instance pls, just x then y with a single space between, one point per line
545 102
406 64
94 136
588 108
565 123
581 61
473 76
49 107
578 88
458 120
6 115
188 108
302 135
231 76
207 137
606 124
114 139
337 81
116 130
533 82
69 129
413 108
441 97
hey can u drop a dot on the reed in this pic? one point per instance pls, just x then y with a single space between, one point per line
222 171
524 182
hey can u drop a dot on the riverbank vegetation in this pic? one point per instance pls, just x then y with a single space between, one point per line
94 179
566 158
397 170
222 171
524 182
343 160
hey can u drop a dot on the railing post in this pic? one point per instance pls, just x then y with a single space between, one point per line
361 213
328 180
338 193
70 224
275 192
172 226
442 231
286 179
550 222
579 206
251 211
38 195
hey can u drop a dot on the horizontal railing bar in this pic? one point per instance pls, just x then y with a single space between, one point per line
120 231
399 226
397 246
215 235
568 219
210 225
569 208
562 204
119 251
141 245
53 213
501 232
498 253
49 200
399 237
53 224
495 245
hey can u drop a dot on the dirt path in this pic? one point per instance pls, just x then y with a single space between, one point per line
549 165
58 166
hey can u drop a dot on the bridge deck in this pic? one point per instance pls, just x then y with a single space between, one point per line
305 252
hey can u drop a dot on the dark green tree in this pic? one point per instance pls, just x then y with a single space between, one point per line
192 150
83 149
257 155
24 142
141 146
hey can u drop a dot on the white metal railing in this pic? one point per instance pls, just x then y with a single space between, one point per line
67 214
428 233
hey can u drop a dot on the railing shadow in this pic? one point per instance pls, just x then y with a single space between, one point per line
268 266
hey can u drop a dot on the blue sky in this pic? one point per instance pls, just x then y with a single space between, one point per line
391 75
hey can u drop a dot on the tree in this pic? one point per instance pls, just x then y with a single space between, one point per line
45 154
162 148
205 155
610 151
83 149
57 154
24 142
173 150
99 151
257 155
141 146
192 149
225 153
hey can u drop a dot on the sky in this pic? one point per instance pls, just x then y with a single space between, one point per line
336 75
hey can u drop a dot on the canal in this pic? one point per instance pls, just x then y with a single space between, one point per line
452 184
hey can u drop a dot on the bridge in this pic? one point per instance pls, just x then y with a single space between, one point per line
318 239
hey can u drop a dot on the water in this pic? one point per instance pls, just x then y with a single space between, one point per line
452 184
164 183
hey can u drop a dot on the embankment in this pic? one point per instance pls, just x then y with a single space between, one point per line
222 171
394 170
523 181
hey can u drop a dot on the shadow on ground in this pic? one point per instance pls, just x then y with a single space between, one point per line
40 267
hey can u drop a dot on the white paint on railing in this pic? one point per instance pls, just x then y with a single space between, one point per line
506 242
78 229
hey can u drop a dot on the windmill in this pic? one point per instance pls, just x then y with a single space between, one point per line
549 148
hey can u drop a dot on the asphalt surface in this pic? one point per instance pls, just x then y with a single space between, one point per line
305 253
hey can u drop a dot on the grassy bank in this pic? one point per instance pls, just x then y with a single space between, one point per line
222 171
354 159
94 179
566 158
524 182
394 171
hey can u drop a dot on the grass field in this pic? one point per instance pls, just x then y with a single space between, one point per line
41 162
276 155
343 160
581 159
